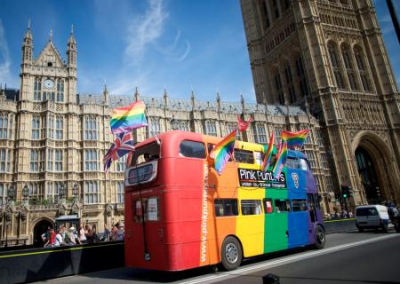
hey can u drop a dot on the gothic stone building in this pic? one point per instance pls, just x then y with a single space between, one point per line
52 141
330 54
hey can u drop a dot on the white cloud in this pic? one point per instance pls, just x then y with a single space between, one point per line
176 51
5 60
144 30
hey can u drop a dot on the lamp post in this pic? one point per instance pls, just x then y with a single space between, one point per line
25 193
62 192
75 191
7 215
11 193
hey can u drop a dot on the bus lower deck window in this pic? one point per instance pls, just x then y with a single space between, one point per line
282 205
299 205
226 207
251 207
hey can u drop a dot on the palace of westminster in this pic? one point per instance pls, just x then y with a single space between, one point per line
316 64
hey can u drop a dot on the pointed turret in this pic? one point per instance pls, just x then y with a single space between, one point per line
27 45
105 94
71 49
137 95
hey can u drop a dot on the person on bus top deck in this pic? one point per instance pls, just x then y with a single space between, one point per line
146 157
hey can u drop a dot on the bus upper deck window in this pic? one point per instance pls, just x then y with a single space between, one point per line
244 156
192 149
304 164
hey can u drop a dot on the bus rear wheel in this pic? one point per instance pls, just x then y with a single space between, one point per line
231 253
320 239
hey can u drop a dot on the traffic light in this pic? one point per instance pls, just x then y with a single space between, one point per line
345 191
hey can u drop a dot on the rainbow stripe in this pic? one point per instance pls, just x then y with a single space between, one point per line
268 154
127 118
223 151
280 160
295 139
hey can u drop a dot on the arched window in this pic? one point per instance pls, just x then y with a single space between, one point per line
120 192
210 128
362 68
289 83
3 195
59 160
37 89
91 192
336 65
301 77
278 88
90 160
60 91
36 191
260 135
59 128
91 128
34 160
121 163
3 126
348 63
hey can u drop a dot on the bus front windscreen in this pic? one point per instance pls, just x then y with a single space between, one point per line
143 166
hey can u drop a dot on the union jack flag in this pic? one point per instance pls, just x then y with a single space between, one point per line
121 146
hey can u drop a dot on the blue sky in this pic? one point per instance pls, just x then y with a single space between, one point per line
177 45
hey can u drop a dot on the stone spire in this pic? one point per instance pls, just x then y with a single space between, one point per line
137 95
105 94
71 49
193 100
27 45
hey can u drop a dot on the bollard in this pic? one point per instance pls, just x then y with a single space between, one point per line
271 279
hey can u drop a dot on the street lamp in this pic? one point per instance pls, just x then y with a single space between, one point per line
75 191
25 193
11 192
62 192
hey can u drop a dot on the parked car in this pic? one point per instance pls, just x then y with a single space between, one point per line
372 217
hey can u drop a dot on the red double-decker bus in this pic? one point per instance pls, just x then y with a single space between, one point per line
181 214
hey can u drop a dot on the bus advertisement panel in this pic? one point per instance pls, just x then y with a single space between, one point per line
181 214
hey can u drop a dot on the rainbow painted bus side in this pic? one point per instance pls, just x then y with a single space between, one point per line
180 214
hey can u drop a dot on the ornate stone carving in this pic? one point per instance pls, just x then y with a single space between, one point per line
109 209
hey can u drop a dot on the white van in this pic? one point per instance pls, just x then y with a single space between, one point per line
372 217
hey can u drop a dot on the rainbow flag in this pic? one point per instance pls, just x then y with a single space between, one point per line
127 118
280 160
268 154
295 139
223 151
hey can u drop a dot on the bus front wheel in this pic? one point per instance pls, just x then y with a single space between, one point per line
231 253
320 239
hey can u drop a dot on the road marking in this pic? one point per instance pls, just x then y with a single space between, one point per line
289 259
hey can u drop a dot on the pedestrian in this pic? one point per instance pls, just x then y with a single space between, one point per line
350 214
119 232
114 233
59 241
45 236
95 237
51 239
82 234
89 234
106 235
71 237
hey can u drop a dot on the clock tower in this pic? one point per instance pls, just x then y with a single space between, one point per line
48 77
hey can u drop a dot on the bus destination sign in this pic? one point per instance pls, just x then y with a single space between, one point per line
256 178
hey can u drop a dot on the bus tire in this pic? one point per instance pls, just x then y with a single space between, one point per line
320 238
231 253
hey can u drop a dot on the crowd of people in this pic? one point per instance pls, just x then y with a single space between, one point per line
85 234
